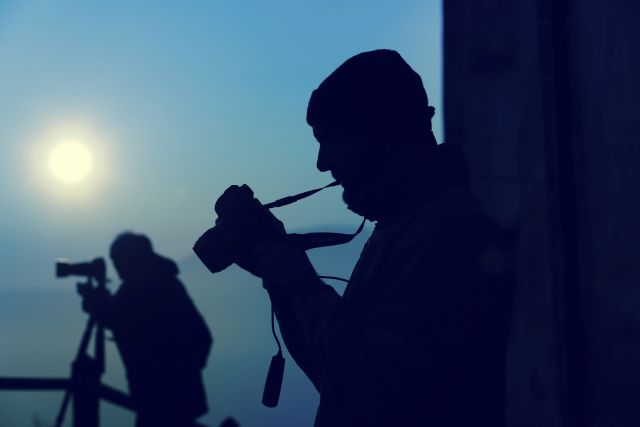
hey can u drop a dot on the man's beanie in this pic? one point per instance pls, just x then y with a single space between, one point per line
376 87
130 247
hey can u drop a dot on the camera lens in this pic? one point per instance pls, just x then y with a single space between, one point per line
62 268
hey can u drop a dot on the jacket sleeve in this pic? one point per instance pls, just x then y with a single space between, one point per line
184 327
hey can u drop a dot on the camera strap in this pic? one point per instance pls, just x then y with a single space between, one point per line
308 241
292 199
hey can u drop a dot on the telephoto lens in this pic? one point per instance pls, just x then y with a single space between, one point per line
96 268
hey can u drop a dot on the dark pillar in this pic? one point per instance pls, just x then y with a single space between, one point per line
544 95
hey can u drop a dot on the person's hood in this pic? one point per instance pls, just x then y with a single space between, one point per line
153 266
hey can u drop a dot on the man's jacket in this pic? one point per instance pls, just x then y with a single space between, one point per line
419 336
162 339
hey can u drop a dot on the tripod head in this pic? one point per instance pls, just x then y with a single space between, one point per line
85 369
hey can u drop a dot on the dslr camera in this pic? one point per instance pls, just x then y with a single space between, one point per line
242 221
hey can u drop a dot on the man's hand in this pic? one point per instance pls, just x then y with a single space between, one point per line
238 205
283 264
93 299
244 223
268 255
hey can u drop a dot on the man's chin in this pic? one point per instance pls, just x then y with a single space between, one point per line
355 200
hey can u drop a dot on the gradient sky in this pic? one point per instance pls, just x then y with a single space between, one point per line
176 101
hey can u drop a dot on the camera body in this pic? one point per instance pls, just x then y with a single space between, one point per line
95 269
242 221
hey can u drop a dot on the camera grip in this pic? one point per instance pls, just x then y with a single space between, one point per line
234 200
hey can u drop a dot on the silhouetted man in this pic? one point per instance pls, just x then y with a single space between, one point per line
162 339
419 336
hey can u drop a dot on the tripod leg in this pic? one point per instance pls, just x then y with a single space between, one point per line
63 408
82 349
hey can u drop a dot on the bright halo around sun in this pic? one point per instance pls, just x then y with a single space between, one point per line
70 162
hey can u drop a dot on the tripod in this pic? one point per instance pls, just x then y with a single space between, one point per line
84 385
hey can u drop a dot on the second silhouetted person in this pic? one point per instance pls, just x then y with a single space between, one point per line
162 338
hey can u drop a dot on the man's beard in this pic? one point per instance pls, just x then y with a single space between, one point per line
355 197
358 185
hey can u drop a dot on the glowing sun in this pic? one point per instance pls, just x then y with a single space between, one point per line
70 162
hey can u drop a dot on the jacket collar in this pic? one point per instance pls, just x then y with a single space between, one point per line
415 177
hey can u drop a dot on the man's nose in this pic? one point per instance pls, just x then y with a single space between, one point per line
324 159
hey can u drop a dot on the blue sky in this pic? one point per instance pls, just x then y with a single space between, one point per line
175 101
